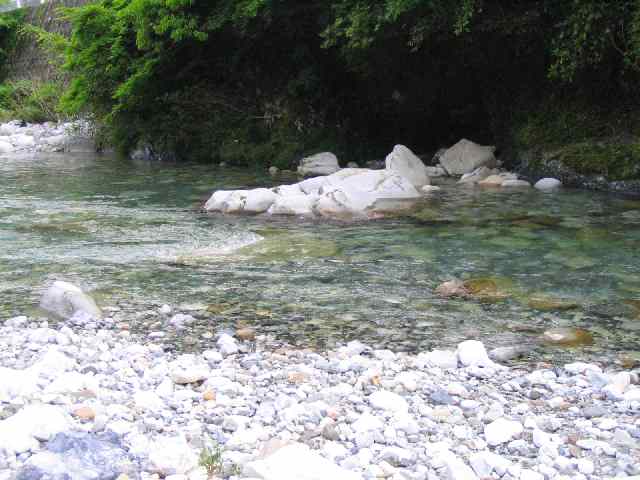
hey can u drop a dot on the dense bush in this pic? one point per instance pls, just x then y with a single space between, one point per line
9 25
249 81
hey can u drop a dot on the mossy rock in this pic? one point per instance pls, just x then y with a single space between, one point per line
490 289
568 337
547 303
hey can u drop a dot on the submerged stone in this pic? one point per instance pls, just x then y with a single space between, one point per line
568 336
548 303
489 289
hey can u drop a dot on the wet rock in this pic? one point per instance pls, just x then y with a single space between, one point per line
324 163
568 337
403 162
547 303
465 156
488 289
453 288
65 299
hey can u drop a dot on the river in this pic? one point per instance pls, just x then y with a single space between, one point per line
132 234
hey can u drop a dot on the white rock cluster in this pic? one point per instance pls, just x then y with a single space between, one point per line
348 193
94 403
18 137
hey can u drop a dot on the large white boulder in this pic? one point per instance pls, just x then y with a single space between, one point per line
356 192
324 163
259 200
465 156
299 204
65 299
296 462
403 162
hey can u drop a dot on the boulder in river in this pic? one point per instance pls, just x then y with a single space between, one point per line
65 299
324 163
404 162
548 184
362 193
465 156
568 337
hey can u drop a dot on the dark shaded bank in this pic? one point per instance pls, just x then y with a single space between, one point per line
553 84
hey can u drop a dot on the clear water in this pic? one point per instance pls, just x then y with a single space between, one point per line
133 235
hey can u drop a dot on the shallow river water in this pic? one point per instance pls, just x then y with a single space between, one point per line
132 234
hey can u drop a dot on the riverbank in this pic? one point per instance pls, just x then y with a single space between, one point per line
99 403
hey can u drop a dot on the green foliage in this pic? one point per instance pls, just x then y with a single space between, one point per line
586 137
257 81
211 459
29 101
10 23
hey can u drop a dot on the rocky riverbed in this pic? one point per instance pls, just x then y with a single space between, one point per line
94 402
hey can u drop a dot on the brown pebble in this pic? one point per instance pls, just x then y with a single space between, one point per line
209 396
297 377
84 413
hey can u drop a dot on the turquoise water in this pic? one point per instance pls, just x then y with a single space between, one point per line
133 235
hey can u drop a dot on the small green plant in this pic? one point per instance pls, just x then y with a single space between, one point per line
211 459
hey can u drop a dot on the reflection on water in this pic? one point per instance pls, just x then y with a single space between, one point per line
132 233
